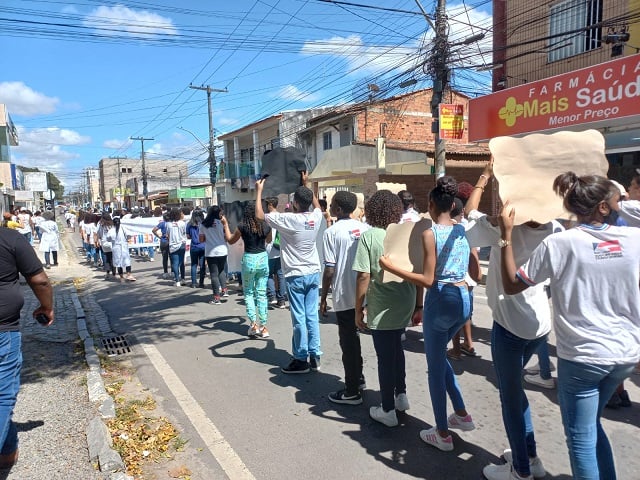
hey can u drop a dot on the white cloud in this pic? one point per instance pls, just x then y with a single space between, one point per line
291 92
360 57
22 100
120 20
43 147
116 144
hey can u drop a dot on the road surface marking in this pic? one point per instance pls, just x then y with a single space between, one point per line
228 459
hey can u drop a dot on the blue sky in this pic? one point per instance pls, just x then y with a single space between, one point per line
81 77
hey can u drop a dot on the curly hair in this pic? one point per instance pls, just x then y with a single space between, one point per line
383 208
347 201
443 193
249 220
464 191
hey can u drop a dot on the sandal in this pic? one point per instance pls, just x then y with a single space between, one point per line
470 352
453 355
130 278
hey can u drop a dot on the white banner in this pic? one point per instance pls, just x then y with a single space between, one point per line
23 195
36 181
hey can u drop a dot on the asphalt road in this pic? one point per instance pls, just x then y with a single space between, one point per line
251 421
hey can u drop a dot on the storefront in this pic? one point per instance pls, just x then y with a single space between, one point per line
605 97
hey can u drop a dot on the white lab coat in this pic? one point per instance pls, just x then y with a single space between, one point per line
49 241
119 247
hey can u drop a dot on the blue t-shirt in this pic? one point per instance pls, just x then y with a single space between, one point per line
452 253
193 234
162 226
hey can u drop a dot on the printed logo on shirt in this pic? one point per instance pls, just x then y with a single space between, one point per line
309 225
355 234
607 249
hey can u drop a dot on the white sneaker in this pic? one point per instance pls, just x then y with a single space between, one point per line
536 368
461 423
433 438
402 402
535 464
502 472
386 418
177 284
537 380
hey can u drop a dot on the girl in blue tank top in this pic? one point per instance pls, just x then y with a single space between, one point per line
446 309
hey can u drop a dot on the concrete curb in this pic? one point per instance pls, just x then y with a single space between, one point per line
98 437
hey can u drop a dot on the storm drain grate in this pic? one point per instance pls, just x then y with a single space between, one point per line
116 345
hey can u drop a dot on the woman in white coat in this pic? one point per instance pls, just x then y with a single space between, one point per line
120 248
49 240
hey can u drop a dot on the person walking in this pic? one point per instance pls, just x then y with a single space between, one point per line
160 231
120 248
447 257
521 324
215 252
340 245
16 257
389 307
196 249
49 240
255 267
276 285
594 273
177 235
105 246
301 264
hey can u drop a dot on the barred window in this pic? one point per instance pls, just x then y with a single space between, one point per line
326 141
577 20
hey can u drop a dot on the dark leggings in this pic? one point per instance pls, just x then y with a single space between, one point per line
108 260
55 257
165 258
120 272
218 273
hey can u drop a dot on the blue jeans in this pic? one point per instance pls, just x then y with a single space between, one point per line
583 391
446 309
543 361
391 366
275 268
510 353
10 365
255 271
303 303
151 251
197 260
177 263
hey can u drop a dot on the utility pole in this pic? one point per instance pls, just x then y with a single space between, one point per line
213 167
119 182
440 74
145 192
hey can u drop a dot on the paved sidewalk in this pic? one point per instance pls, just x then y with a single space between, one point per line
53 409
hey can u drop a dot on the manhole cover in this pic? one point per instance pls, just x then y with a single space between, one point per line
116 345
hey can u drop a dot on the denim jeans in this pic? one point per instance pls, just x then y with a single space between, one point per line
351 350
303 303
151 251
543 361
391 366
10 365
197 260
583 391
255 271
275 269
510 353
218 269
177 263
446 309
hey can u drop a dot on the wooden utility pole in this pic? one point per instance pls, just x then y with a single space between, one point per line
145 192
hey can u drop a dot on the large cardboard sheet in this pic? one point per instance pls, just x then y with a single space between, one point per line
525 168
403 245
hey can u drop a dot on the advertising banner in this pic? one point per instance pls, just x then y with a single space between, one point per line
451 121
36 181
589 96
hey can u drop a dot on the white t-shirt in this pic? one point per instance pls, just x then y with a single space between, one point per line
411 215
340 243
177 233
526 314
214 245
298 232
630 212
594 275
26 221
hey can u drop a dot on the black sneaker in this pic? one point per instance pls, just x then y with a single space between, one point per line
342 398
296 366
314 363
281 304
625 401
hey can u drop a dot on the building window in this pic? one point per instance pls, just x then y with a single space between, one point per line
126 170
578 21
326 141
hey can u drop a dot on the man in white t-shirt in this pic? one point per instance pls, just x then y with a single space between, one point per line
301 265
25 218
340 244
408 203
521 324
